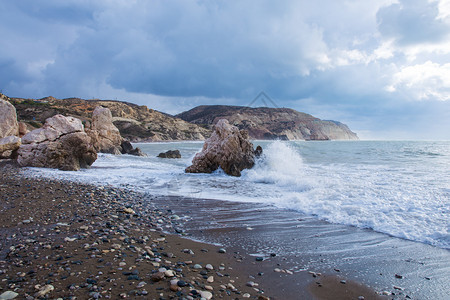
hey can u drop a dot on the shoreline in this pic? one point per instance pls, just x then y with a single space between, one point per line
94 242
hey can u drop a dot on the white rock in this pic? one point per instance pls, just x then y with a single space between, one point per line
8 295
205 294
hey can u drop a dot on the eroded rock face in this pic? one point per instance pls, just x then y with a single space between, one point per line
61 144
8 120
9 146
104 133
227 148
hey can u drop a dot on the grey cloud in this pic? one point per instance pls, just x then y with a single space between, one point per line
412 22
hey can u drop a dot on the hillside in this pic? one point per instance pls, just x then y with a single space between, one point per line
136 123
270 123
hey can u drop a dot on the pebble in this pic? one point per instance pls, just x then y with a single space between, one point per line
181 283
197 266
8 295
222 250
44 290
259 258
210 279
169 273
205 294
141 284
209 267
246 295
157 276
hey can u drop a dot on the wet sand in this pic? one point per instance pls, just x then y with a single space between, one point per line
65 240
304 246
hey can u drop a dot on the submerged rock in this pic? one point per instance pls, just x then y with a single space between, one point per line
170 154
227 148
61 144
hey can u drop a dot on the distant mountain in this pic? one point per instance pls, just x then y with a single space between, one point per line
270 123
136 123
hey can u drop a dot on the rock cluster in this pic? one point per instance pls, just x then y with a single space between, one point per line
227 148
9 130
61 143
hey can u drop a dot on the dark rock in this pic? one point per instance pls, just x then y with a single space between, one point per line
127 148
170 154
258 151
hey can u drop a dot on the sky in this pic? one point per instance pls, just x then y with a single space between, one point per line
380 66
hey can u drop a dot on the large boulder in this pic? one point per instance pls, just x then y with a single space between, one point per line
8 120
61 144
104 133
227 148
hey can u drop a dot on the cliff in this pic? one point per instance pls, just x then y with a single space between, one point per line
270 123
135 123
141 124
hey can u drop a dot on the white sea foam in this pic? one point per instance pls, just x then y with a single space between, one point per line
398 188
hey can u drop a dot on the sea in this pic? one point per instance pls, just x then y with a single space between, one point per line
398 188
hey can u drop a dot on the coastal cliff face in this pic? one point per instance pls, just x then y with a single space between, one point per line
270 123
141 124
135 123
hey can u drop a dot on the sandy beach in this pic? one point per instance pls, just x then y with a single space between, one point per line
66 240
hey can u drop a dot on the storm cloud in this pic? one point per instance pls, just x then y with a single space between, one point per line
372 64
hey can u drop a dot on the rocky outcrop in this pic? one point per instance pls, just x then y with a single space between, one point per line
127 148
105 136
8 120
227 148
170 154
136 123
61 144
265 123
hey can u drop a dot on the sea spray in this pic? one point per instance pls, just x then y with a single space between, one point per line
378 185
280 164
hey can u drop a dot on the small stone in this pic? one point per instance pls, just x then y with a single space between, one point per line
197 266
259 258
157 276
398 276
169 273
205 294
250 284
210 279
8 295
141 284
209 288
361 298
222 250
209 267
174 288
343 281
128 210
246 295
181 283
44 290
